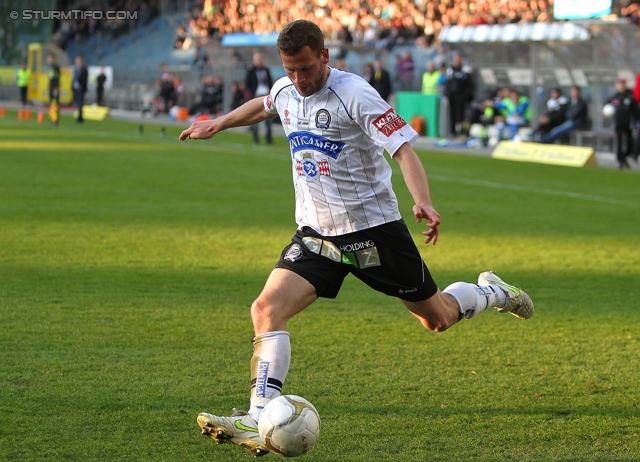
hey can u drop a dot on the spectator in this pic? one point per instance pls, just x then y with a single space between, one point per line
636 95
517 113
168 92
459 90
80 83
258 82
211 96
576 117
430 80
626 114
442 80
555 115
54 90
100 81
367 74
404 71
380 80
22 79
238 94
181 37
200 58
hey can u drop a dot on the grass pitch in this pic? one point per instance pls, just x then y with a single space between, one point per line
128 264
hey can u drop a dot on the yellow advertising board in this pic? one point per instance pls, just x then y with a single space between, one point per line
570 156
93 112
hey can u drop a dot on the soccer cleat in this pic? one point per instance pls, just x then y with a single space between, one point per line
240 429
518 303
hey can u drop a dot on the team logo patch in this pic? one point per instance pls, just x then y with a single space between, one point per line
311 168
323 119
294 252
269 102
389 122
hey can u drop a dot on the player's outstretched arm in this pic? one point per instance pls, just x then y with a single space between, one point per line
251 112
416 180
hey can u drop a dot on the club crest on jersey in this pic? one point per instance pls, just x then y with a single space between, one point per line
299 141
323 119
311 168
389 122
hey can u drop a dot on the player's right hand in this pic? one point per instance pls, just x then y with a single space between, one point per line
199 130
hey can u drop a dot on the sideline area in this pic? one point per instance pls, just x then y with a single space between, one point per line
603 159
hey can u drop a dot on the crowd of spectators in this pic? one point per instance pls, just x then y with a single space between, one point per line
78 26
384 23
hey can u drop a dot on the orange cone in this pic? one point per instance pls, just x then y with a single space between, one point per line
3 112
27 115
40 117
21 114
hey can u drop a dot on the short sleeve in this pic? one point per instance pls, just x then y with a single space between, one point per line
378 120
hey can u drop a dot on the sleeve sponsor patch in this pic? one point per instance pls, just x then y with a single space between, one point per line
268 103
389 122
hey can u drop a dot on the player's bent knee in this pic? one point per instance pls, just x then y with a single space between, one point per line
261 310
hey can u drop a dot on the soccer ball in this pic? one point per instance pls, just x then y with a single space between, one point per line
289 425
608 110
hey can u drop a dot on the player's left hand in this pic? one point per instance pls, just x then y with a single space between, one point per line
433 221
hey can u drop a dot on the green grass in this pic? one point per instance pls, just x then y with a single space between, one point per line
128 264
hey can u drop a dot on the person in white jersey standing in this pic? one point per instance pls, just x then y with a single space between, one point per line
347 214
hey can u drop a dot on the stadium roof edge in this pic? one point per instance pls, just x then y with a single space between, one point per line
528 32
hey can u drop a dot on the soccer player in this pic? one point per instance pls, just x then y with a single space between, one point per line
347 215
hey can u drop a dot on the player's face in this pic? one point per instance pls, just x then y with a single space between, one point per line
307 71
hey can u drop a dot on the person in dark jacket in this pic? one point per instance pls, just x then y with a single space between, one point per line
555 115
168 92
258 83
576 116
54 90
211 96
459 90
100 81
80 83
626 114
380 80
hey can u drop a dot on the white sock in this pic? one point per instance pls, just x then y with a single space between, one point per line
473 299
269 367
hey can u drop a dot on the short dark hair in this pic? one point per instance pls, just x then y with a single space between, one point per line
299 34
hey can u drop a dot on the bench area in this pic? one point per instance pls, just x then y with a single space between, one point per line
601 140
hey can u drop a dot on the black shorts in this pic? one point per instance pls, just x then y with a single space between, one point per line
384 257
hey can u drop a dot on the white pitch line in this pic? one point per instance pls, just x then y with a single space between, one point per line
548 192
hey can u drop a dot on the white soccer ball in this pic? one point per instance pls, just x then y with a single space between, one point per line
608 110
289 425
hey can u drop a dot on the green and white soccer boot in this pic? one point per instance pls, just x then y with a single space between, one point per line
518 303
240 429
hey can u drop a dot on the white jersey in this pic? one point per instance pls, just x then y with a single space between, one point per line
337 138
